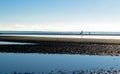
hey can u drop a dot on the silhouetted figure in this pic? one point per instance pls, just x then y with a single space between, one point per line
81 33
89 33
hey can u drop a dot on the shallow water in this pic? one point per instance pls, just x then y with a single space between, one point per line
71 36
14 43
13 62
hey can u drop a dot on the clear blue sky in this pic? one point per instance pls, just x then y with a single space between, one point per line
59 14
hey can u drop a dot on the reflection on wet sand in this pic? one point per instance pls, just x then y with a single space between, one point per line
101 71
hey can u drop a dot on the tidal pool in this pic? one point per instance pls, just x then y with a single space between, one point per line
37 63
14 43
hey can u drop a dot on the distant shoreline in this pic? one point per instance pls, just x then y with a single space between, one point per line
97 33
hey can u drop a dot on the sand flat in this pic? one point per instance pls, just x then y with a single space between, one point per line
54 45
37 39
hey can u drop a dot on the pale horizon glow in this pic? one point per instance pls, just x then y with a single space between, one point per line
62 28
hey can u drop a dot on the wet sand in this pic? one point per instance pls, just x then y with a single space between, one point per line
63 46
38 39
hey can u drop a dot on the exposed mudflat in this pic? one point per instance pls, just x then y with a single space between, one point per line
57 47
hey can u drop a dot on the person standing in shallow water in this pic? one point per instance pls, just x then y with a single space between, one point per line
81 33
89 33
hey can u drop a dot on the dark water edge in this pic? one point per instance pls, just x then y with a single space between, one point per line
54 47
101 71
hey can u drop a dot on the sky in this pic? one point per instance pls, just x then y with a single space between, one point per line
60 15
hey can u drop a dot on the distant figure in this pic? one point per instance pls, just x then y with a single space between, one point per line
89 33
81 33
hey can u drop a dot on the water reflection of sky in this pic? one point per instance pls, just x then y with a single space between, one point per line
10 62
13 43
72 36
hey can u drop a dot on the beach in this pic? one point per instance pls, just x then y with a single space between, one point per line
57 39
62 45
